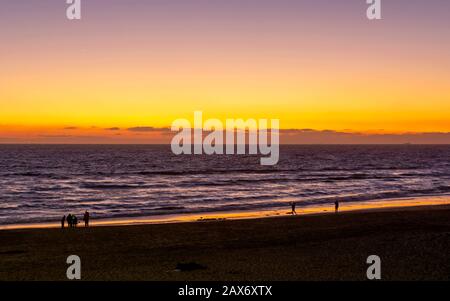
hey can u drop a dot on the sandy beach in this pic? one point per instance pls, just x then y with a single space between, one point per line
412 242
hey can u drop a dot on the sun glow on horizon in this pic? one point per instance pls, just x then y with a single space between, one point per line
309 65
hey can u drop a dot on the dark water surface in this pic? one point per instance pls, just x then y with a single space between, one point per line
42 182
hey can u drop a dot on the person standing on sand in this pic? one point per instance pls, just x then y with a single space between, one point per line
86 219
336 206
69 220
63 221
293 204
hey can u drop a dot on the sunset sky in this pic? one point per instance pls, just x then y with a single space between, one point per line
129 68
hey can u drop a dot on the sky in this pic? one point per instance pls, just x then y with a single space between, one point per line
319 66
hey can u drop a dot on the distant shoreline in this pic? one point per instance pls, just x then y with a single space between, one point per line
362 206
284 144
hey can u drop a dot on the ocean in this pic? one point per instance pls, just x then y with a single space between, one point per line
41 183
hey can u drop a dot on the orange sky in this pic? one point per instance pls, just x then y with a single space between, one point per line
311 65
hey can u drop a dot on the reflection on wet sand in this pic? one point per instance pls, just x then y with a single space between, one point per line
221 216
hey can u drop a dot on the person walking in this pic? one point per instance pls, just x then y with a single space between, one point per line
86 219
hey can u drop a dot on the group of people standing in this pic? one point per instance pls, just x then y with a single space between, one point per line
72 220
293 205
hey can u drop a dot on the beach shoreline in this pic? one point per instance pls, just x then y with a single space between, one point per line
412 242
363 206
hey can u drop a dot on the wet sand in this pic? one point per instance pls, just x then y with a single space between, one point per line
382 204
413 244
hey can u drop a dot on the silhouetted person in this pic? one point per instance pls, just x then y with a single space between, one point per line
86 219
69 220
74 220
293 204
336 206
63 221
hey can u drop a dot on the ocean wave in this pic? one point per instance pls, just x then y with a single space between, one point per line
100 185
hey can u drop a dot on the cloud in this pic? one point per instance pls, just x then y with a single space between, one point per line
163 135
147 129
71 128
293 136
56 136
